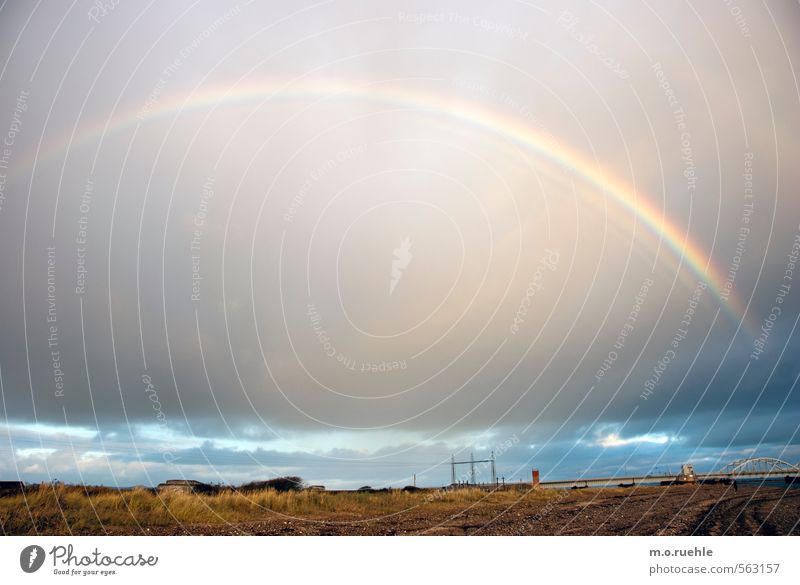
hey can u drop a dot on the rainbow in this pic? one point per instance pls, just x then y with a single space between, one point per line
506 127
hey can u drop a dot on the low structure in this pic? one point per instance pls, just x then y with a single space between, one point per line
185 486
11 487
687 474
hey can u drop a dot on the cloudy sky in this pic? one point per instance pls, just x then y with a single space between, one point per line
346 239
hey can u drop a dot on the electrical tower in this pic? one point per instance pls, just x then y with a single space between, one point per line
472 461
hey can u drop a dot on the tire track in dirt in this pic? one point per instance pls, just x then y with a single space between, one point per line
762 511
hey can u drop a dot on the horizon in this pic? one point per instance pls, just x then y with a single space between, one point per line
347 241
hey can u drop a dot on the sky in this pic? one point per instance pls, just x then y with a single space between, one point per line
347 240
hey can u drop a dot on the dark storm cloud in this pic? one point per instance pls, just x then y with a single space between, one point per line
280 277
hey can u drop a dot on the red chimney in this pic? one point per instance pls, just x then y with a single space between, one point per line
535 474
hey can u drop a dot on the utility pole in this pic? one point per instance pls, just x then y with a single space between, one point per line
452 470
494 472
415 480
472 467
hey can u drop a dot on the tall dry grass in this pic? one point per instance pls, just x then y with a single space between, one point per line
60 509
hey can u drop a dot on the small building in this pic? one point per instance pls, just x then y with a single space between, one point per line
184 486
687 474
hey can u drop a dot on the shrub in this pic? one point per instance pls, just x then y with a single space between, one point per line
279 484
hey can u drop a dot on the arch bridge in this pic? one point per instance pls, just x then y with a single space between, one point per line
749 468
758 466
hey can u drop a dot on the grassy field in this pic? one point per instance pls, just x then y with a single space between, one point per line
672 510
60 509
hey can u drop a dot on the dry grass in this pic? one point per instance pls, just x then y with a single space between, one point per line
59 509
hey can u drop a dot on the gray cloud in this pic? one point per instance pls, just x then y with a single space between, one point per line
203 211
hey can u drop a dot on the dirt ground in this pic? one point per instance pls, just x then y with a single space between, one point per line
674 510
